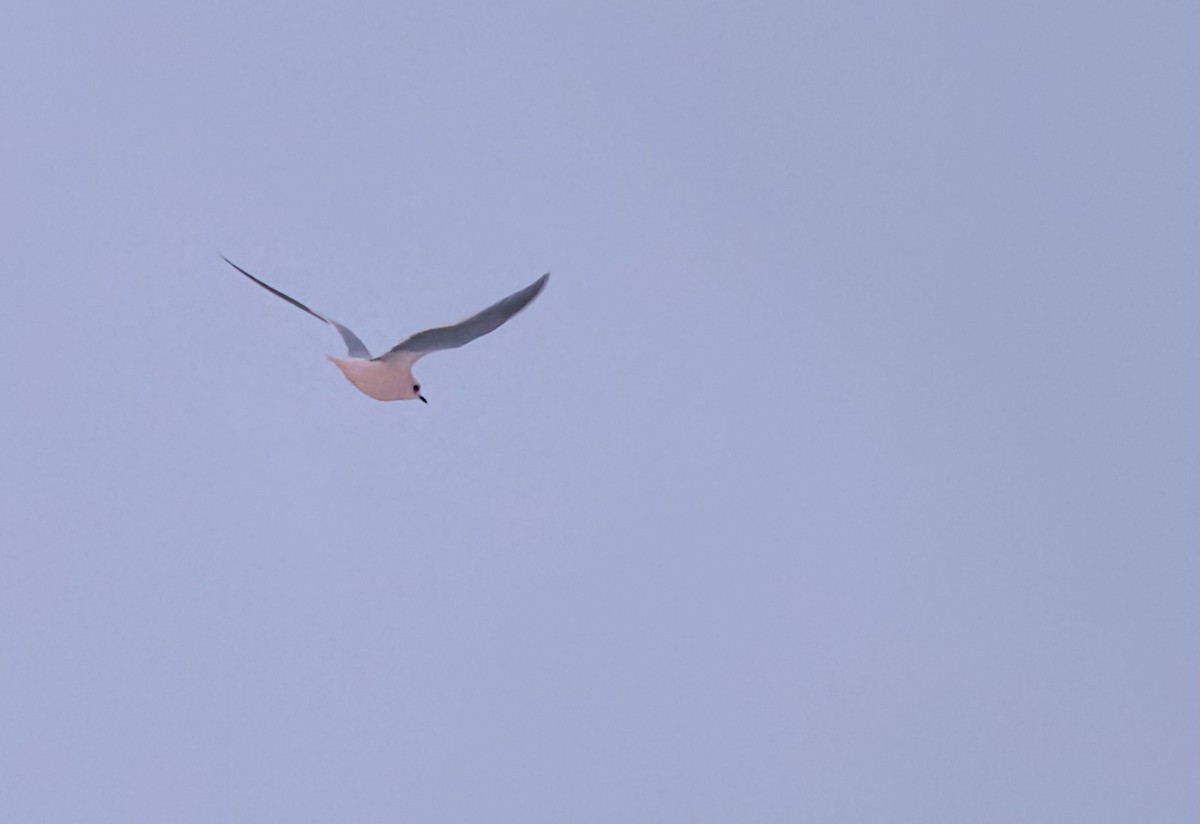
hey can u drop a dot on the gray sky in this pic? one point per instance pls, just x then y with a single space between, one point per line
845 471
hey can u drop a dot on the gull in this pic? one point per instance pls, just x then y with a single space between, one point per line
389 377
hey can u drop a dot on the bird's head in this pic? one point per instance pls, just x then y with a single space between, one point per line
417 393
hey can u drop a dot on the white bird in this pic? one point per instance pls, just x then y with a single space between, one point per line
389 377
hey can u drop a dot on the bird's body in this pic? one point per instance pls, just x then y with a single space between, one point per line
381 380
389 377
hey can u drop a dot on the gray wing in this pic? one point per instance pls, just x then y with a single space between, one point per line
354 346
463 332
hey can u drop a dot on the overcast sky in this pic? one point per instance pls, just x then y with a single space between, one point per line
845 471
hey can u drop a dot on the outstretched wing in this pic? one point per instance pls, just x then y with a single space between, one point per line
354 346
452 337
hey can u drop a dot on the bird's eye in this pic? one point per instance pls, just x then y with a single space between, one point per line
416 387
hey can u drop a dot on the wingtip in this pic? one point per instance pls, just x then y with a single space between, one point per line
534 289
235 266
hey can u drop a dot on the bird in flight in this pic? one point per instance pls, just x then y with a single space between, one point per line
389 377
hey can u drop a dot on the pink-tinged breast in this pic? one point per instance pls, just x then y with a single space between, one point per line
381 380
